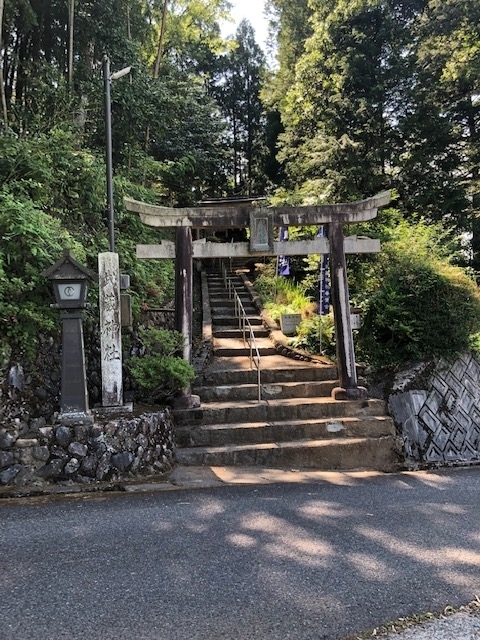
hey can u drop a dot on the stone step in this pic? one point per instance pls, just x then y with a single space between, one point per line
221 287
217 312
227 302
225 319
226 312
277 410
275 369
219 284
231 273
342 453
224 347
218 435
296 424
222 291
218 277
272 391
234 332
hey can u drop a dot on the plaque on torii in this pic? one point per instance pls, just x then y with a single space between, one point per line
261 220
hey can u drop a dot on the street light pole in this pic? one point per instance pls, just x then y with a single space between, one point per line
107 81
108 151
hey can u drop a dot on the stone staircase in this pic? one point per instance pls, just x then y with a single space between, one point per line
296 424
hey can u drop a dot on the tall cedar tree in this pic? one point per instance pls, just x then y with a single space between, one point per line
385 95
237 88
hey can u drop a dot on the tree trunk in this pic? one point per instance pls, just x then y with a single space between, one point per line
161 38
129 26
2 76
71 12
156 70
475 186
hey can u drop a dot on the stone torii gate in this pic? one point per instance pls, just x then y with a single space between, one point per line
261 221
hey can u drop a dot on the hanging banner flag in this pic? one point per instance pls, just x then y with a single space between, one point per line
324 280
283 268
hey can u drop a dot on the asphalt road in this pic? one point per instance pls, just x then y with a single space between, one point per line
312 561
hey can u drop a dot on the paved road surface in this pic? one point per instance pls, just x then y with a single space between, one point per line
302 561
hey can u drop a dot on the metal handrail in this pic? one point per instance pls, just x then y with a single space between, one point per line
246 328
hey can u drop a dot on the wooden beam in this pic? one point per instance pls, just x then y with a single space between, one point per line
239 217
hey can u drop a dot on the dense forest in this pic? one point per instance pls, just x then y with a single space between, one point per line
364 95
376 94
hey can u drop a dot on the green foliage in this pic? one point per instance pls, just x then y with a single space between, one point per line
237 86
168 134
290 21
152 281
420 306
160 373
315 334
279 296
382 95
59 175
31 241
53 198
192 33
336 129
369 95
177 175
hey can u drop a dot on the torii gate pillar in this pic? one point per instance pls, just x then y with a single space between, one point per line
347 373
184 287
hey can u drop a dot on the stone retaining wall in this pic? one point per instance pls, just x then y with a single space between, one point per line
114 450
439 414
33 452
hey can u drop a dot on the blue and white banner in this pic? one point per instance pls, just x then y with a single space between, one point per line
324 280
283 261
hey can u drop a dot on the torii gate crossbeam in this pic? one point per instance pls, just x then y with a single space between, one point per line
230 217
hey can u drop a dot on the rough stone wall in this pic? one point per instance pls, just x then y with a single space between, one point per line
440 422
32 451
30 391
117 449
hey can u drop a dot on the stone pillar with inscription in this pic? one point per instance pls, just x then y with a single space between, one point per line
110 330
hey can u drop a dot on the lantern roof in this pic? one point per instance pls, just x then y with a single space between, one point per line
67 268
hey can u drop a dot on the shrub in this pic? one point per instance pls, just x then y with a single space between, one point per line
316 335
160 373
279 296
423 307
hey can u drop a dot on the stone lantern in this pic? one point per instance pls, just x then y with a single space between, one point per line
70 282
